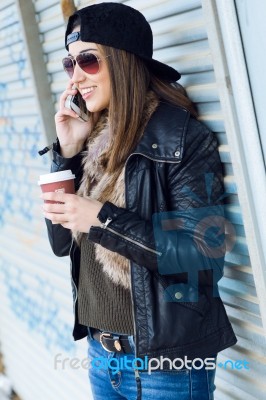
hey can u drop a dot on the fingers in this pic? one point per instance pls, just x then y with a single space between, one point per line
55 211
66 220
59 116
64 96
64 107
58 197
56 218
54 208
62 209
71 211
66 225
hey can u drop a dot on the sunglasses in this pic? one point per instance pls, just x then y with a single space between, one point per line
88 62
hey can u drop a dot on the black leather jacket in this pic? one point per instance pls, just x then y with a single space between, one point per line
173 185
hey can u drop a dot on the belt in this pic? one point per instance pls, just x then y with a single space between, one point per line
112 342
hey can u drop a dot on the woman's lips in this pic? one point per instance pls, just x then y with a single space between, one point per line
86 93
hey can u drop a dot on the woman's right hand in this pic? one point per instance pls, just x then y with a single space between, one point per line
71 131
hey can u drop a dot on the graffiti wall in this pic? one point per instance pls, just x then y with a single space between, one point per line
35 294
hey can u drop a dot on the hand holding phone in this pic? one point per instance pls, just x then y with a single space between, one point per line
71 132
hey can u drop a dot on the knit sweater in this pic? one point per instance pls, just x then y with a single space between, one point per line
102 303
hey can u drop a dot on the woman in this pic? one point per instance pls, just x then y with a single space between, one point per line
142 228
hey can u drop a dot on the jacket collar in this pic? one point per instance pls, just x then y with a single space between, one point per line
164 135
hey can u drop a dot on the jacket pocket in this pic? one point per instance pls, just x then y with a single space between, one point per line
184 294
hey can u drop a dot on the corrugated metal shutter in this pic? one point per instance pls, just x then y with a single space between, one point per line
180 40
35 295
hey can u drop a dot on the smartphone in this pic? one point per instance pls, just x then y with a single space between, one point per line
77 104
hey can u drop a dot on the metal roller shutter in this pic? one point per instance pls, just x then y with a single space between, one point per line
35 295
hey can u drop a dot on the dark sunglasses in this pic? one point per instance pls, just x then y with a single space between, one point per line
88 62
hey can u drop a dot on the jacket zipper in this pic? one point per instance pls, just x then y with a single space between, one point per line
72 279
153 159
106 223
105 226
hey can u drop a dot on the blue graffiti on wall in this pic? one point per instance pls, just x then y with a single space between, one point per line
15 173
32 300
20 130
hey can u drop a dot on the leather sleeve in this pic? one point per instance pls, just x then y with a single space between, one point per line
186 236
60 238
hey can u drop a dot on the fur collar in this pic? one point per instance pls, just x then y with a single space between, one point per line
95 180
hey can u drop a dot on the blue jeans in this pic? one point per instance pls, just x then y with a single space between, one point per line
110 379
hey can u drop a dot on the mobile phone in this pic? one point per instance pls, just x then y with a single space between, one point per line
77 104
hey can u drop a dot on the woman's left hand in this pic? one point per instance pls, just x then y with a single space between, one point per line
75 212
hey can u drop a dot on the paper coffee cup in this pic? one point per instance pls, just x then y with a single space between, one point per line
62 181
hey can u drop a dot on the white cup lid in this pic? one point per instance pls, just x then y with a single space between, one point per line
56 177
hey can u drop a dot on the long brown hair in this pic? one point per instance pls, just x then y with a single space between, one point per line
130 81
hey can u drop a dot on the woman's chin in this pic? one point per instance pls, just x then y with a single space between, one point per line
94 109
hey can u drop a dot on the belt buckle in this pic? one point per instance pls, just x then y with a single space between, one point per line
104 334
116 342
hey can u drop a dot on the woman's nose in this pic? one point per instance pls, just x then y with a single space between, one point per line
78 74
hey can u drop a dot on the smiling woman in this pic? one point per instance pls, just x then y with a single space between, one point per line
142 162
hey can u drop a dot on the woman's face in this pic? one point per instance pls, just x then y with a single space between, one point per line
94 88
